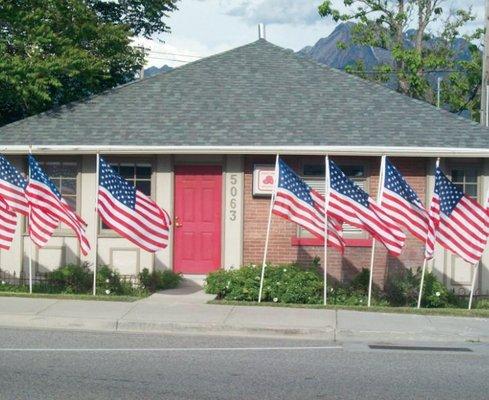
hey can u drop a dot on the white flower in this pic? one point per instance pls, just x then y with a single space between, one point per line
437 294
107 281
253 265
107 291
275 299
331 290
3 282
285 269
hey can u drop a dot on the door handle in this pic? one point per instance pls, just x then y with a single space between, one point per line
178 224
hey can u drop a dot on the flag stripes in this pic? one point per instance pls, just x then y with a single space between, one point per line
401 203
45 199
8 223
299 203
458 223
129 212
349 204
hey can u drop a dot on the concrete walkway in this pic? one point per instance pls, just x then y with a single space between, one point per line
184 310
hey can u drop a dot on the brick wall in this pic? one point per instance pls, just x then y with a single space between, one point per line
280 248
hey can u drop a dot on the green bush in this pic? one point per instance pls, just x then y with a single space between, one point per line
361 280
71 278
401 288
284 284
158 280
109 282
482 304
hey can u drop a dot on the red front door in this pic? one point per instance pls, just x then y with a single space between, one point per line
197 225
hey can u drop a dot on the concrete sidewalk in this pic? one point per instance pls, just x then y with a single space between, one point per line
184 310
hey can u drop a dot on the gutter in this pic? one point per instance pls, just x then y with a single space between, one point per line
255 150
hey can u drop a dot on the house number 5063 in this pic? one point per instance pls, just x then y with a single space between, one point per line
233 191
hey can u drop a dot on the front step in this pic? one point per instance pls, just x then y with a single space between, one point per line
193 280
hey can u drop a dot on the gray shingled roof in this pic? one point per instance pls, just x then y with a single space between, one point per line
258 94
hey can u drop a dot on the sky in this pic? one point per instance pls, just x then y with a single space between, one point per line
204 27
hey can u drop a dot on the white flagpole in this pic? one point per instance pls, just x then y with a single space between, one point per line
372 257
476 267
420 295
272 199
28 231
423 271
97 172
326 202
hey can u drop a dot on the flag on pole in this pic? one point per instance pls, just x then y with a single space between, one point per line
129 212
12 187
299 203
400 202
349 204
8 223
12 201
48 209
457 222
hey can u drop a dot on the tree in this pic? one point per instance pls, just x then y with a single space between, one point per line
403 27
462 88
144 17
56 51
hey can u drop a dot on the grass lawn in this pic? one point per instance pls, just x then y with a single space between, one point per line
72 296
452 312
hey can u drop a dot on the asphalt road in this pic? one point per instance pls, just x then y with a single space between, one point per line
37 364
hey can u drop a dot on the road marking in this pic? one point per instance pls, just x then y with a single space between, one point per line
175 349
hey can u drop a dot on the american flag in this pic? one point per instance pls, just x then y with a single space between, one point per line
458 222
129 212
12 187
299 203
349 204
48 208
8 223
402 204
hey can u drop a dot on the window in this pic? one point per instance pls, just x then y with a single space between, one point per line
465 178
64 175
137 173
313 175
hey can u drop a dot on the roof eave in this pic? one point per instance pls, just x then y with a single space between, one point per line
284 150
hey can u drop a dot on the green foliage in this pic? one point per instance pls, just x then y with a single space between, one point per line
158 280
402 288
57 51
361 280
144 17
109 282
284 284
292 284
71 278
482 304
78 279
384 24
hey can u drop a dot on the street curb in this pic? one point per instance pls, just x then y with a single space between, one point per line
114 325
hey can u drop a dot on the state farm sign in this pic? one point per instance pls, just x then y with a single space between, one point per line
263 179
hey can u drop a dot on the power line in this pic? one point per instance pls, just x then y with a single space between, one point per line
176 54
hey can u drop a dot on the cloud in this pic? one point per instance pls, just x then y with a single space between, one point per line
280 12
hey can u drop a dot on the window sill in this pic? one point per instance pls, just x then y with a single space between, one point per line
295 241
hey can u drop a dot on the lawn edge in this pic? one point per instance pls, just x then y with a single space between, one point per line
447 312
128 299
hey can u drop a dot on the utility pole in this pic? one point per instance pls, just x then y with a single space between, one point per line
485 73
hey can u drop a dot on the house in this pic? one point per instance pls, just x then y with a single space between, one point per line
201 140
